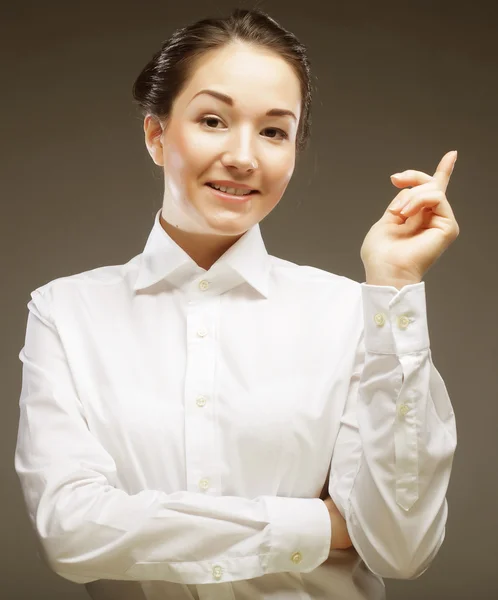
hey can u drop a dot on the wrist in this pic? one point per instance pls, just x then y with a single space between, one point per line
389 278
340 536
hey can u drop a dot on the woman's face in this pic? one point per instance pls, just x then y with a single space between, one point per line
207 139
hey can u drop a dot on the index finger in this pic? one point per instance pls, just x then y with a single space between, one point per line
445 169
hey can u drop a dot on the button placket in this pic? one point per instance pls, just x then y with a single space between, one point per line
199 436
406 441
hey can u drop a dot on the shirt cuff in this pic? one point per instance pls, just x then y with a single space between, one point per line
301 533
395 320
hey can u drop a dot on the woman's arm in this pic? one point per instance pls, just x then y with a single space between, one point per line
91 530
392 460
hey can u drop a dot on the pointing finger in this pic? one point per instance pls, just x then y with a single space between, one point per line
445 169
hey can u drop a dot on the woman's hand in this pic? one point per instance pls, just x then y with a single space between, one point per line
403 246
340 536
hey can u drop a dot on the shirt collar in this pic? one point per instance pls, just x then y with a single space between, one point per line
245 261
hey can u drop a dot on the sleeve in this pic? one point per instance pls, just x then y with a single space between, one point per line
392 461
90 530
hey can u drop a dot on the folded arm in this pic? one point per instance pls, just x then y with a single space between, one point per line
91 530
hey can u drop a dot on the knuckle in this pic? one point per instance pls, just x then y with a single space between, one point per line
452 232
420 195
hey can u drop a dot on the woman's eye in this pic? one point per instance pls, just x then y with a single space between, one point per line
279 131
205 119
282 133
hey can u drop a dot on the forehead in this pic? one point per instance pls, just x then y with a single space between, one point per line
254 77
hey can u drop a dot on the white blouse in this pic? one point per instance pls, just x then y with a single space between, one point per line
177 427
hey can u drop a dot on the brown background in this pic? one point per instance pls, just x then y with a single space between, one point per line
399 84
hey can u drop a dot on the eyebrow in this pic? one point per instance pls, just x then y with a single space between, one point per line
273 112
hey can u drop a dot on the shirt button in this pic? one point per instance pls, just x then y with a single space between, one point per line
201 401
202 331
217 572
296 557
204 484
403 409
203 285
403 321
380 319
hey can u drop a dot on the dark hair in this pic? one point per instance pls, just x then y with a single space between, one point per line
165 75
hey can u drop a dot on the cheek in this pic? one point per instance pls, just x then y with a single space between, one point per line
197 151
186 156
282 171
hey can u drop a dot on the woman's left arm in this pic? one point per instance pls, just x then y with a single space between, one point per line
392 461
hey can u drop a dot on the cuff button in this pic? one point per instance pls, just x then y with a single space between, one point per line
403 321
380 319
217 572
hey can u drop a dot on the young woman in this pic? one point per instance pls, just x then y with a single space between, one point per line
180 413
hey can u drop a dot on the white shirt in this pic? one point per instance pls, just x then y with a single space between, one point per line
177 426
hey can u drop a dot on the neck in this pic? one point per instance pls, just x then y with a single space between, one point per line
203 249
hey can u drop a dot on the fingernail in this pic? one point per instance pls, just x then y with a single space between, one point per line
405 209
397 175
454 161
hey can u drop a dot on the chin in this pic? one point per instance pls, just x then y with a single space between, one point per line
230 227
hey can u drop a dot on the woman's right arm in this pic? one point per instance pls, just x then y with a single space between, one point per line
91 530
340 539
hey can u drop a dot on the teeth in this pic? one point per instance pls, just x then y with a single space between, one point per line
234 191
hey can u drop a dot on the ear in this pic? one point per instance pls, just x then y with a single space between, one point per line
153 131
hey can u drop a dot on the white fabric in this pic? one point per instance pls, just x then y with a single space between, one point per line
177 426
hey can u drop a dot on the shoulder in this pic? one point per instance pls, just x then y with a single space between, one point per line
104 279
313 277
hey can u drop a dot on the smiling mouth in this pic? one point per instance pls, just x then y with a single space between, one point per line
235 195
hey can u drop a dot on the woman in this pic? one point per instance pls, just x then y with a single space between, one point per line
180 413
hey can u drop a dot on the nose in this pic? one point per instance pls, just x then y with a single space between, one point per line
241 155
